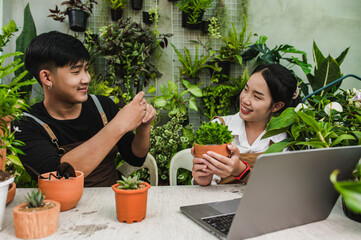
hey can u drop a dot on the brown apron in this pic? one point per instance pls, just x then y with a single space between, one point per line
248 157
105 174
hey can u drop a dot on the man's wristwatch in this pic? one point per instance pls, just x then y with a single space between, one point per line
244 173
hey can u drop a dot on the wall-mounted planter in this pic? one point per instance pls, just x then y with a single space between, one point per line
137 4
186 24
116 14
226 69
78 20
148 18
205 26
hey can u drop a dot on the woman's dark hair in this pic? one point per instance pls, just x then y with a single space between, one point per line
282 84
53 49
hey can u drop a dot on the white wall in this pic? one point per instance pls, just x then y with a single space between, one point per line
333 24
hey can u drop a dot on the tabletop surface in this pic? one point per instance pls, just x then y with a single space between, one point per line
94 217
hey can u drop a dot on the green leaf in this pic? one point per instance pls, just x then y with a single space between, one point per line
160 102
342 56
310 121
173 88
350 191
328 72
286 119
192 103
195 90
164 90
278 147
318 57
151 89
342 138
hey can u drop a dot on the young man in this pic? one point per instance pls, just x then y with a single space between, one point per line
69 125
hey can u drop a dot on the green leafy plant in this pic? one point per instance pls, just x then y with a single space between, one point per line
117 4
8 31
332 120
175 102
192 67
86 6
154 17
127 48
213 133
220 100
350 190
195 8
129 182
235 44
168 139
326 70
35 198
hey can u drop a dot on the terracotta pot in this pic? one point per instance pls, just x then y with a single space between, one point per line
199 150
3 151
66 191
11 192
36 224
4 187
131 205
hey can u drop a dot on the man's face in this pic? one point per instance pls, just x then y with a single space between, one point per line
70 83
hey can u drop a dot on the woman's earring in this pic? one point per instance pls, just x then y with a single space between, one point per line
50 86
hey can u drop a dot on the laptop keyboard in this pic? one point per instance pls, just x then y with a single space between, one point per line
221 222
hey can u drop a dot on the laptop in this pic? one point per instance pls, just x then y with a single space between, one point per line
285 190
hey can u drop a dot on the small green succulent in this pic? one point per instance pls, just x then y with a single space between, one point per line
213 133
129 183
35 198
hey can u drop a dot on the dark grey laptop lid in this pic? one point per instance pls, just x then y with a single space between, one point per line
291 189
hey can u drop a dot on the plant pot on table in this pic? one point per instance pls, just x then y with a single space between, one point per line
350 214
131 205
78 20
65 191
39 223
4 188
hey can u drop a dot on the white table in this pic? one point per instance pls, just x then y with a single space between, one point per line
94 217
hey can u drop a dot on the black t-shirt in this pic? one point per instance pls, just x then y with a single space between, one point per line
42 155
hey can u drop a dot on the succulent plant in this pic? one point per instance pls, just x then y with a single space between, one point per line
35 198
129 183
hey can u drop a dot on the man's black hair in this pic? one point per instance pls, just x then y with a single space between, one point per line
51 50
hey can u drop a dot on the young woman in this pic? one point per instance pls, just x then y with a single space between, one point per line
270 90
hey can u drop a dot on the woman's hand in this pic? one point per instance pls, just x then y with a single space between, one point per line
225 166
201 174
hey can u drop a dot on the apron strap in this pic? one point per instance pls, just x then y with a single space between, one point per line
51 134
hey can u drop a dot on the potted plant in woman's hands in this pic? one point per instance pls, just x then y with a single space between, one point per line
37 218
77 11
351 193
116 8
212 136
131 199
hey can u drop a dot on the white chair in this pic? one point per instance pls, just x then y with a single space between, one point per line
182 159
126 169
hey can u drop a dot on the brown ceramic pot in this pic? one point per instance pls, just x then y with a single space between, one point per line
66 191
11 192
131 205
199 150
37 224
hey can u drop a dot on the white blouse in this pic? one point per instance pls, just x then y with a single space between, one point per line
237 126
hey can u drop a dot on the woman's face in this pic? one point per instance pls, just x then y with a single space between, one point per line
256 103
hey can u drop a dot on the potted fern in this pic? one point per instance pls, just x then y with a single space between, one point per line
131 199
212 136
37 217
78 12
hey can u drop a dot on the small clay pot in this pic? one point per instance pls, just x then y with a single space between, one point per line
11 192
199 150
36 224
66 191
131 205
